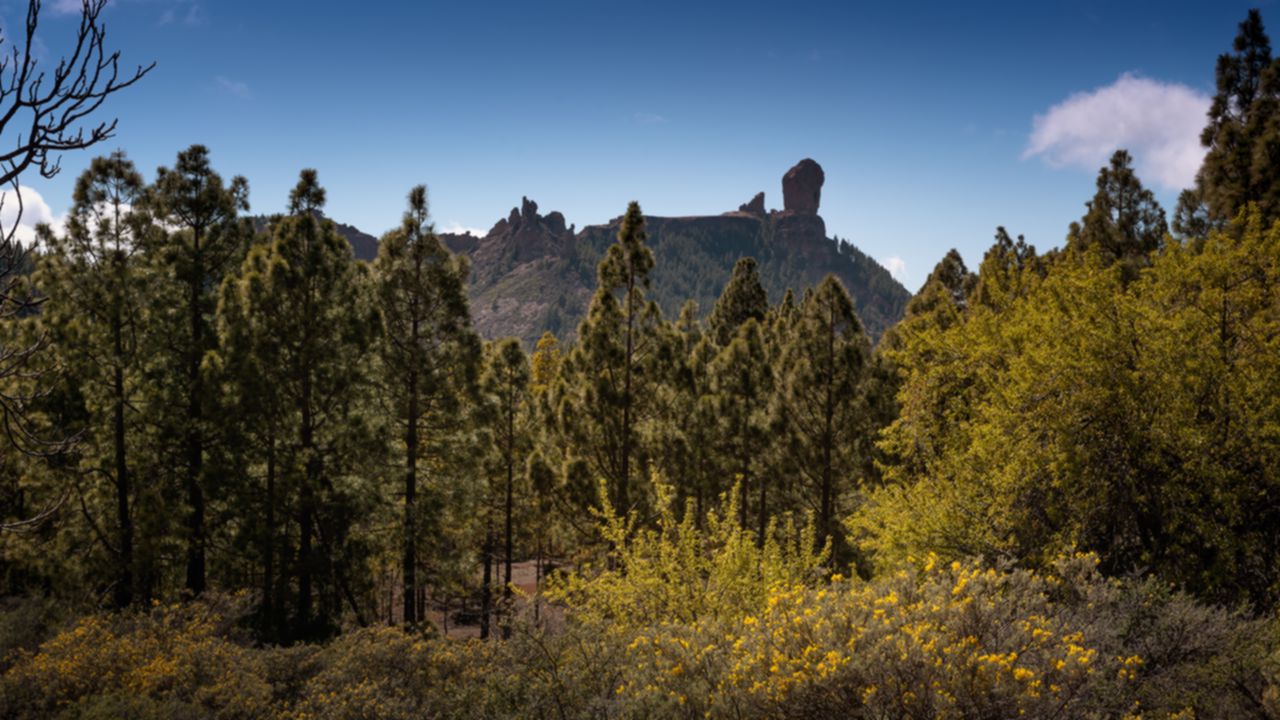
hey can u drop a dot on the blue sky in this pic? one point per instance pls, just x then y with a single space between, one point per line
923 115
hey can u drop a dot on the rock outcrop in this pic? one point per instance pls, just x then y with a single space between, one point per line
755 207
520 284
802 188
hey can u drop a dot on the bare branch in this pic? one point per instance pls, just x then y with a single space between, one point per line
42 116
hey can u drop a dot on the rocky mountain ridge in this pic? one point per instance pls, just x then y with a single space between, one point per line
532 272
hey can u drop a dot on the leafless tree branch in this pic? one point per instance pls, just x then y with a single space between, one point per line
44 112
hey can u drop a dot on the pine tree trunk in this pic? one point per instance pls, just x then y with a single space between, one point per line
307 501
124 580
486 588
623 499
195 440
269 534
825 516
537 581
506 589
410 493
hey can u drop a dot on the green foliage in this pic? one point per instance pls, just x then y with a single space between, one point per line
202 245
609 374
1242 138
743 299
1080 411
739 409
512 423
822 404
430 363
99 290
1124 222
675 572
292 312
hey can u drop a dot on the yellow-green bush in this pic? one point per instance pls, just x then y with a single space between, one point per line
960 641
171 661
681 622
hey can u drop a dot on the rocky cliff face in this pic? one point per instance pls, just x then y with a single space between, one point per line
523 278
531 273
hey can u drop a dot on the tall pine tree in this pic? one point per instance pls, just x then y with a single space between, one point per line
743 298
204 246
1124 222
99 295
742 382
506 382
430 355
821 403
608 369
1242 137
302 290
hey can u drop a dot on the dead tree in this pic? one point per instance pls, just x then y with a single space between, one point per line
44 112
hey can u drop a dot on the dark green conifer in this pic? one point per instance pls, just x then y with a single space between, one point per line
205 245
743 298
610 378
430 355
1242 137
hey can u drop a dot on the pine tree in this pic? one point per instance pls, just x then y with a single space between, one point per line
205 246
541 480
99 297
607 369
1242 164
821 402
506 382
249 353
302 291
1124 222
544 365
742 385
430 353
1008 269
743 298
682 430
938 303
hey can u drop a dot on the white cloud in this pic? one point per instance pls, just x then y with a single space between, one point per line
34 212
897 267
234 87
67 7
457 228
648 118
1158 123
193 15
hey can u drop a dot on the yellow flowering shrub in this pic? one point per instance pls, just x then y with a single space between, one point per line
178 657
711 626
678 572
681 622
